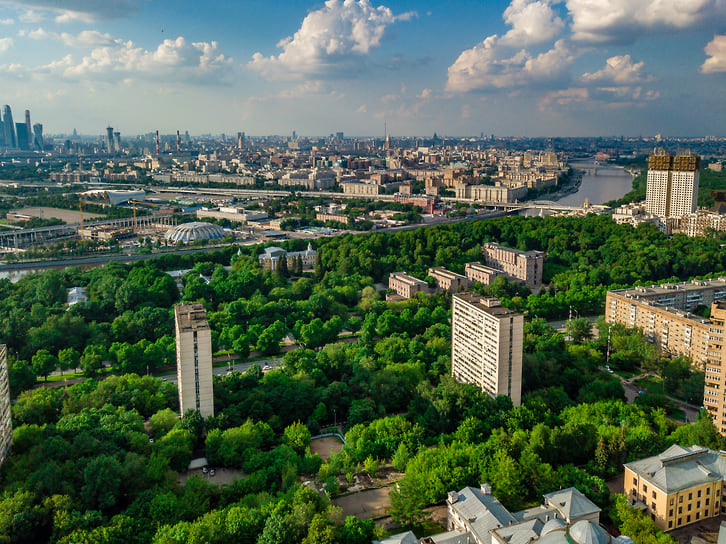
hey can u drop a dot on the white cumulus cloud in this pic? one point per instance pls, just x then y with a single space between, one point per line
489 65
5 44
621 70
532 22
172 59
329 38
716 51
626 20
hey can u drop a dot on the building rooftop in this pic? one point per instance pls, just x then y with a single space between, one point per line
530 253
571 503
191 316
490 305
443 272
669 288
402 276
679 468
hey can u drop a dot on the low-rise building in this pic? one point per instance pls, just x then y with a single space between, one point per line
475 516
446 280
406 286
483 274
494 194
680 486
522 266
232 213
272 257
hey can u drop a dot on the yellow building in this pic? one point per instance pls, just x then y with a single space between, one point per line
678 487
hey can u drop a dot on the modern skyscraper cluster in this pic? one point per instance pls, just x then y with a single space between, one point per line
672 189
23 136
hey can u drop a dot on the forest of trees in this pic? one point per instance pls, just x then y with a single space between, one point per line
98 461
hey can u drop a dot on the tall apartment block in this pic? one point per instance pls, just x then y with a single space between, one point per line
194 359
486 345
522 266
672 184
6 424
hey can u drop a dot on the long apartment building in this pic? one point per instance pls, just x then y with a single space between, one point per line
662 312
486 345
681 486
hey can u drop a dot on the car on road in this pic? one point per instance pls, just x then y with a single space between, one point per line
610 370
267 367
205 469
211 472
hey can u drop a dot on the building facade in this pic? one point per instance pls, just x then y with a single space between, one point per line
446 280
714 390
272 257
6 421
662 314
486 345
194 359
682 485
483 274
522 266
672 184
406 286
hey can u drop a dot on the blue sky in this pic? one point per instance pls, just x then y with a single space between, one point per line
515 68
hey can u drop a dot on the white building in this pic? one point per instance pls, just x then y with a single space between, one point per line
672 184
486 345
194 359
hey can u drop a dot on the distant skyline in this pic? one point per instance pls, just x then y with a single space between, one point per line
519 68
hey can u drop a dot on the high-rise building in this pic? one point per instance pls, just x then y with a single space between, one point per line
22 134
194 359
672 185
11 140
6 424
715 368
109 139
486 345
28 130
117 141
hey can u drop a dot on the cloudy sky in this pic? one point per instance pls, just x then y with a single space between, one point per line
459 67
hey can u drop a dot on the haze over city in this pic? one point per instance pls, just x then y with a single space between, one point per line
531 68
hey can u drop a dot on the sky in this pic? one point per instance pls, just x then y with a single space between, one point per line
540 68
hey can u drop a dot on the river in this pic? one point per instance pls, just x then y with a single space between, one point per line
608 183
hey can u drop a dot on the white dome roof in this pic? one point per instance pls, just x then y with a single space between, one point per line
554 524
588 532
189 232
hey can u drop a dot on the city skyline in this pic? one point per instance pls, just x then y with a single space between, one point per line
519 68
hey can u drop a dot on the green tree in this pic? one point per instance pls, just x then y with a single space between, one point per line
92 359
68 359
297 436
102 479
44 363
